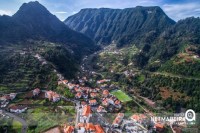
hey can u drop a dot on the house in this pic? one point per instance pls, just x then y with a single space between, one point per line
65 82
99 129
36 92
93 102
78 95
17 109
118 120
93 94
81 81
68 129
159 127
12 95
139 118
103 81
4 104
56 97
90 128
81 128
111 100
97 89
101 109
86 113
60 82
120 115
105 102
84 128
106 93
104 86
77 89
94 90
71 86
135 118
118 104
52 96
83 103
85 95
5 98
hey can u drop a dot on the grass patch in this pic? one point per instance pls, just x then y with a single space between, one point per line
141 78
17 126
121 96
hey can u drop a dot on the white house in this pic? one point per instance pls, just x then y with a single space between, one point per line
36 92
18 109
12 95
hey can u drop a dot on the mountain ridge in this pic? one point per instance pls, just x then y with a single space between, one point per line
34 21
99 24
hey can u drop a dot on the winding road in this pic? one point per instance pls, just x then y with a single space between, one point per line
17 118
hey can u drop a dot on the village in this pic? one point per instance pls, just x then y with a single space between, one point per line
93 106
99 108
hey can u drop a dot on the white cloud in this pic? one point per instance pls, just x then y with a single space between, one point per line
5 12
181 11
61 12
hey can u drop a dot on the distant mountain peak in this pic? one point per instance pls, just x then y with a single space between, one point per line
34 21
31 8
31 4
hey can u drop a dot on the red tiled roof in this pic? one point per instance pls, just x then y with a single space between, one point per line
105 102
93 94
86 110
93 101
90 127
14 107
105 92
78 94
100 108
158 125
117 102
99 129
7 97
81 125
65 81
120 115
135 117
69 129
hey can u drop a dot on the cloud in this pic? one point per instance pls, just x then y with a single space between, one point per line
181 11
5 12
61 12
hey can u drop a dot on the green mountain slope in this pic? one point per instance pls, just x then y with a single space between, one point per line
122 26
32 31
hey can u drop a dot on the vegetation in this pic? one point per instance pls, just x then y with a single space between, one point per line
43 118
133 24
121 96
9 125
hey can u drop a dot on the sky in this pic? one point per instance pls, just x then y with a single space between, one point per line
175 9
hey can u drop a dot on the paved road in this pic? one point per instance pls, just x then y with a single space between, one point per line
77 114
17 118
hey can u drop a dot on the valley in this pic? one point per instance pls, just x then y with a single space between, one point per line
99 71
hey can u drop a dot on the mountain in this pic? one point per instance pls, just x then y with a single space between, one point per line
174 40
123 26
34 21
32 31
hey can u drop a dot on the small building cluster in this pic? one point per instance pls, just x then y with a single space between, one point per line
52 96
18 109
5 99
83 128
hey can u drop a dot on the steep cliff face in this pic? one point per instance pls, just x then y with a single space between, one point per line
123 26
